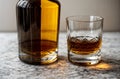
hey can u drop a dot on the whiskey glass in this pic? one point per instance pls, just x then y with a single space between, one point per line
84 39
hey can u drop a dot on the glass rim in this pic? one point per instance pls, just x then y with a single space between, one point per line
70 18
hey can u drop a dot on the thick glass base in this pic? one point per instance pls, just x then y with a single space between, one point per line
35 60
90 59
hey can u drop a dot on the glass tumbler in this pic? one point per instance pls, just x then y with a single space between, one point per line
84 39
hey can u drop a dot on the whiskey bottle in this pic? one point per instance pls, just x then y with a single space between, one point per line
38 30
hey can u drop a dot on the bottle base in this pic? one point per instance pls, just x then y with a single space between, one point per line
30 59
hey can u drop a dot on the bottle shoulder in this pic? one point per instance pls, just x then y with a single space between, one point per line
28 3
22 3
48 4
55 1
42 3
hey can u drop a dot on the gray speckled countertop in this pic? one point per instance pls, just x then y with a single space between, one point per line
12 68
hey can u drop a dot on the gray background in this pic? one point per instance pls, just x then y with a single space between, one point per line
109 9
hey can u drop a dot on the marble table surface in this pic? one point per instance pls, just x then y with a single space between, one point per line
12 68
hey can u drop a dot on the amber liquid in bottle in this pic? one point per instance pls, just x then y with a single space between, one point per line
38 30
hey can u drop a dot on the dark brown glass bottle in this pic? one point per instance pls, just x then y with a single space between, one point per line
38 30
